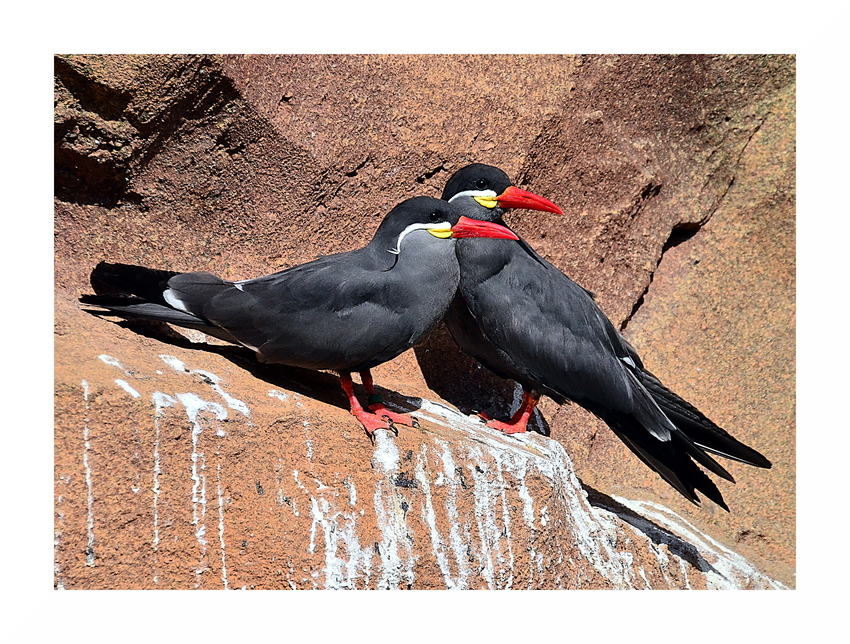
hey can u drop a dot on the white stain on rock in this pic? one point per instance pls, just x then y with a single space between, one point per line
723 568
601 539
490 510
90 558
449 477
126 387
391 507
340 532
197 411
212 380
345 561
194 406
64 481
160 401
352 491
221 527
114 362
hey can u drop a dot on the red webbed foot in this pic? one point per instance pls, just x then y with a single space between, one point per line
372 422
394 417
518 423
376 404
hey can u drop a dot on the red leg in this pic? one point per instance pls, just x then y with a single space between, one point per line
370 421
519 421
377 405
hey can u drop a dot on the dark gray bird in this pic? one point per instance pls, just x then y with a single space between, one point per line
525 320
344 312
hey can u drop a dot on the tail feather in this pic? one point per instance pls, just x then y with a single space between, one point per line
125 279
670 459
701 457
136 307
697 427
136 292
676 454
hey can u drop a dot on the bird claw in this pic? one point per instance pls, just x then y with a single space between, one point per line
393 417
390 428
390 424
415 422
373 422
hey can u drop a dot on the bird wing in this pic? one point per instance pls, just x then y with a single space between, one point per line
701 430
551 332
319 315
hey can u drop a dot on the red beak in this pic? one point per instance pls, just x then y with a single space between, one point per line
515 197
466 227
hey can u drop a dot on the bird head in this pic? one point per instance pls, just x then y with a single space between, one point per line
484 192
437 217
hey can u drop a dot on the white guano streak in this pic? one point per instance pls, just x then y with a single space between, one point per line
549 459
339 573
57 533
395 548
160 401
90 558
126 387
221 527
114 362
485 516
194 405
430 518
455 536
492 548
729 570
339 529
213 381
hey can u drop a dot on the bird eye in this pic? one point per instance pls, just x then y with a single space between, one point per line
434 216
481 184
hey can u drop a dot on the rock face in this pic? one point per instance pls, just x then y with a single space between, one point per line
182 464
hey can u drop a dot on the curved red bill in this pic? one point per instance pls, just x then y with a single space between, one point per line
515 197
466 227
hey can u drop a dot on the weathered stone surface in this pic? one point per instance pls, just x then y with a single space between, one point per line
719 320
245 165
174 475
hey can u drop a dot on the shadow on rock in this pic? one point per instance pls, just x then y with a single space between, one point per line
654 532
466 384
319 385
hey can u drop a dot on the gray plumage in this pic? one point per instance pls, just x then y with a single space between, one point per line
525 320
346 312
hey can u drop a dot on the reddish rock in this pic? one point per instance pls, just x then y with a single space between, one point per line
204 469
177 468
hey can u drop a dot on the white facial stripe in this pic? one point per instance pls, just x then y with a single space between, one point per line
410 229
171 297
474 193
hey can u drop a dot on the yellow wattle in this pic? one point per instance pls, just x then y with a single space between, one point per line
487 202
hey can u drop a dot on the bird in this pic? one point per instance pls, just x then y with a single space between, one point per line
525 320
344 312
